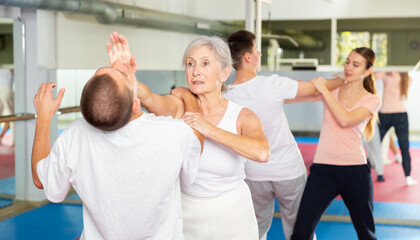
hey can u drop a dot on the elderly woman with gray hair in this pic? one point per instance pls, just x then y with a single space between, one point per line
219 196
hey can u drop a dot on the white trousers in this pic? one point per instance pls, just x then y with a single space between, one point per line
229 216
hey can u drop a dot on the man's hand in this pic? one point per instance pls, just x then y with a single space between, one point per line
44 102
45 106
119 54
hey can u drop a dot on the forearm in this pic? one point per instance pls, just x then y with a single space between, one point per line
144 94
41 147
338 111
307 89
157 104
190 102
334 83
255 149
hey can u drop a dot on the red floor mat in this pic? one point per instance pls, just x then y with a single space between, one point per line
7 161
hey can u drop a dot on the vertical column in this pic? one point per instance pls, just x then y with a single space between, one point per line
333 42
250 16
27 81
20 128
258 23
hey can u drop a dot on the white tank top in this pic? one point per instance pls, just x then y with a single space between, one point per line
220 169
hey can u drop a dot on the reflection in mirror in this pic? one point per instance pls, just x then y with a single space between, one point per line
7 152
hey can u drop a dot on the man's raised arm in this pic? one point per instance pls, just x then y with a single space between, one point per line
121 59
45 106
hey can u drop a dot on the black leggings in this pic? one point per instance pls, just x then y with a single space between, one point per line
400 122
353 183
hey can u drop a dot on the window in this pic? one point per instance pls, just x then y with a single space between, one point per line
380 47
350 40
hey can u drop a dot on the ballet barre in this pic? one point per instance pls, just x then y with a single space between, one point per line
27 116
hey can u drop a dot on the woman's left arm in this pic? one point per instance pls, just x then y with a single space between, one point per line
250 142
345 118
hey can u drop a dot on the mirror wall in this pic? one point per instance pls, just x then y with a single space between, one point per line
7 151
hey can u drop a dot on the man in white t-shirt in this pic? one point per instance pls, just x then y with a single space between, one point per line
126 165
284 175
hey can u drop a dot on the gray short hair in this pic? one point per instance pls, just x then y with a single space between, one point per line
217 45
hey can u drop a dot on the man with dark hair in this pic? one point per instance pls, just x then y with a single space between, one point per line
284 175
125 164
104 105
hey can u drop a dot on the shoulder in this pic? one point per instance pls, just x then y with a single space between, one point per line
246 112
247 115
78 126
168 123
372 102
179 104
372 98
164 120
276 77
281 82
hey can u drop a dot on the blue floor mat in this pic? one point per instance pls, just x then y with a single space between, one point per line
313 140
5 202
73 196
7 186
399 211
52 221
345 231
64 221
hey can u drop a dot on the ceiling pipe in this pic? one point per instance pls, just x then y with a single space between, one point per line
71 6
140 17
114 13
305 41
287 37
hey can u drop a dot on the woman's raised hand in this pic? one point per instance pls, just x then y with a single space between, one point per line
320 84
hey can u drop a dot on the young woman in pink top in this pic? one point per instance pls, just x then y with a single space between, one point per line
394 114
339 166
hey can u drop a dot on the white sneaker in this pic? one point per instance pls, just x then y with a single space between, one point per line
386 161
410 181
398 158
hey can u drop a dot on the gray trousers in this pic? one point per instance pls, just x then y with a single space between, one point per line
374 152
288 193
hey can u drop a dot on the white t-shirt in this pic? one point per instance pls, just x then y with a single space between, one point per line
128 179
221 169
265 96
